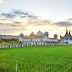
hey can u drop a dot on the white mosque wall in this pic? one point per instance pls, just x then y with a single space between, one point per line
20 39
68 40
32 43
45 39
26 40
53 40
39 40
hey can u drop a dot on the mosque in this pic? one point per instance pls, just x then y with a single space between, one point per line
38 37
67 38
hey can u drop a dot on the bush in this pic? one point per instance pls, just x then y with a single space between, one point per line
12 42
3 42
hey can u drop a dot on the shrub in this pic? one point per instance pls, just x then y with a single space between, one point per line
3 42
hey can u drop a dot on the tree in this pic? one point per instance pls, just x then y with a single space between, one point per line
59 40
3 42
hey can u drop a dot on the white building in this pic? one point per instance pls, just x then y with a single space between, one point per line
38 38
67 38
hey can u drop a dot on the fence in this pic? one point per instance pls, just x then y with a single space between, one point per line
6 46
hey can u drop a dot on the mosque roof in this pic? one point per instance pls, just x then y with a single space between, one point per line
40 34
52 38
25 38
32 34
21 34
55 35
66 36
46 33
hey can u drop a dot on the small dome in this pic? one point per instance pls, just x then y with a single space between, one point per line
55 35
32 34
21 34
40 34
46 33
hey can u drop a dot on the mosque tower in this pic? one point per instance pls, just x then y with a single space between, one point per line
66 31
69 33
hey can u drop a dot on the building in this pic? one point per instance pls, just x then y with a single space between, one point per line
67 38
39 37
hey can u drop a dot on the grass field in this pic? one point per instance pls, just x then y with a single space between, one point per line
36 59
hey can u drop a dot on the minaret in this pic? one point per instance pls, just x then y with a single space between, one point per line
69 33
66 31
60 36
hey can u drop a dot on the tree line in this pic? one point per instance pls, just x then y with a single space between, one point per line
9 40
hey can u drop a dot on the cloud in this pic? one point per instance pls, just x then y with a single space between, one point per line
70 19
12 25
47 21
8 15
17 22
1 1
31 16
32 20
64 24
23 14
20 21
19 13
16 25
3 19
1 23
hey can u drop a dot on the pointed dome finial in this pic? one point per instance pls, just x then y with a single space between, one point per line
66 31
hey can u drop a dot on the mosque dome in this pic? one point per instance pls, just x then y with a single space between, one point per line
55 35
40 34
46 33
32 34
21 34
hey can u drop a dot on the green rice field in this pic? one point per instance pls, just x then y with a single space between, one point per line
36 59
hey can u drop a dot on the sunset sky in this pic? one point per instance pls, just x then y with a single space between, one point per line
25 16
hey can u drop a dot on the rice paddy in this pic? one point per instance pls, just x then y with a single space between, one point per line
36 59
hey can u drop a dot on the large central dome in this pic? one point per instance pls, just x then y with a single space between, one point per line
32 34
40 34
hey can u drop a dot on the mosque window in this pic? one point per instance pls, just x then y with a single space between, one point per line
66 39
62 39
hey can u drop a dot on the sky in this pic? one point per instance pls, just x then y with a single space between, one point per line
25 16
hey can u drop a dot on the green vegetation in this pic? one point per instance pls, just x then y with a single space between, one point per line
37 59
13 40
